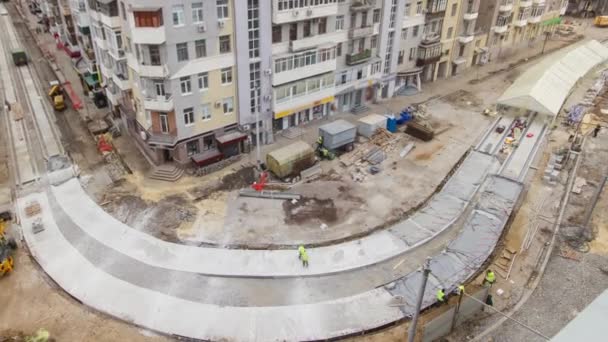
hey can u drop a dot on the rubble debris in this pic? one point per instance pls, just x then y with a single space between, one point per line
579 182
407 149
310 209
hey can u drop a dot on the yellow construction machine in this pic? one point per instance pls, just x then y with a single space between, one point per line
7 247
56 95
601 21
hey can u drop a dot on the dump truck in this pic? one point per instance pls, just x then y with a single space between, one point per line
290 160
56 95
601 21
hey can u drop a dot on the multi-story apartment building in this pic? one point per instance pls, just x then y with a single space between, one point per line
169 69
409 70
84 41
192 82
514 24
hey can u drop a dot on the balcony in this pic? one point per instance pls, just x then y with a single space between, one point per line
358 57
148 35
436 8
161 139
535 18
520 22
428 53
304 72
502 28
465 38
304 13
159 103
538 2
360 32
147 69
114 98
470 15
506 6
430 39
315 41
525 3
110 21
362 5
121 80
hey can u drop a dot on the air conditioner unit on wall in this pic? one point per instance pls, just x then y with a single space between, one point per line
309 12
295 13
201 27
218 104
221 24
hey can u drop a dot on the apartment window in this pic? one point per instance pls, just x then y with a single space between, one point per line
185 86
376 67
188 116
222 9
306 29
224 44
293 31
206 112
192 147
154 52
359 74
339 23
122 11
253 28
449 34
406 11
374 41
255 90
322 28
419 7
454 9
400 57
226 75
404 33
178 15
276 34
228 105
353 20
164 122
341 78
159 86
413 53
182 52
200 48
197 12
339 49
363 19
461 50
203 81
376 16
361 44
415 31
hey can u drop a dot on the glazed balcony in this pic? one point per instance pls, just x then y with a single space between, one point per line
360 32
358 57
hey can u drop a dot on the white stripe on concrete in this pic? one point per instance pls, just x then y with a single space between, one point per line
50 143
170 315
25 168
92 219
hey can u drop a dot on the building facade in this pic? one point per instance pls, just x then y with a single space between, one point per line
192 82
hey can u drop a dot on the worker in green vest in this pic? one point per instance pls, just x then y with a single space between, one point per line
302 255
320 142
460 290
441 298
490 278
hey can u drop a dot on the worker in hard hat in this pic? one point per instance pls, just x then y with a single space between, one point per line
459 290
319 141
441 297
490 278
302 255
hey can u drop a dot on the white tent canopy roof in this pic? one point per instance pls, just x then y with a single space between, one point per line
544 87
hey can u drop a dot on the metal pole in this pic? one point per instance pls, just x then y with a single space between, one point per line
257 138
425 276
456 310
547 34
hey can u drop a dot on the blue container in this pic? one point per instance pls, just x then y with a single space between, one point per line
391 125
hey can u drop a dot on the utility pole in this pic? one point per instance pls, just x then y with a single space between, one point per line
426 270
257 139
547 34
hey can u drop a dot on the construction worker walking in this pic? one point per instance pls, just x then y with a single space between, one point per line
490 278
441 297
302 255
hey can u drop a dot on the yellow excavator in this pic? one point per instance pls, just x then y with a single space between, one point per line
7 247
56 95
